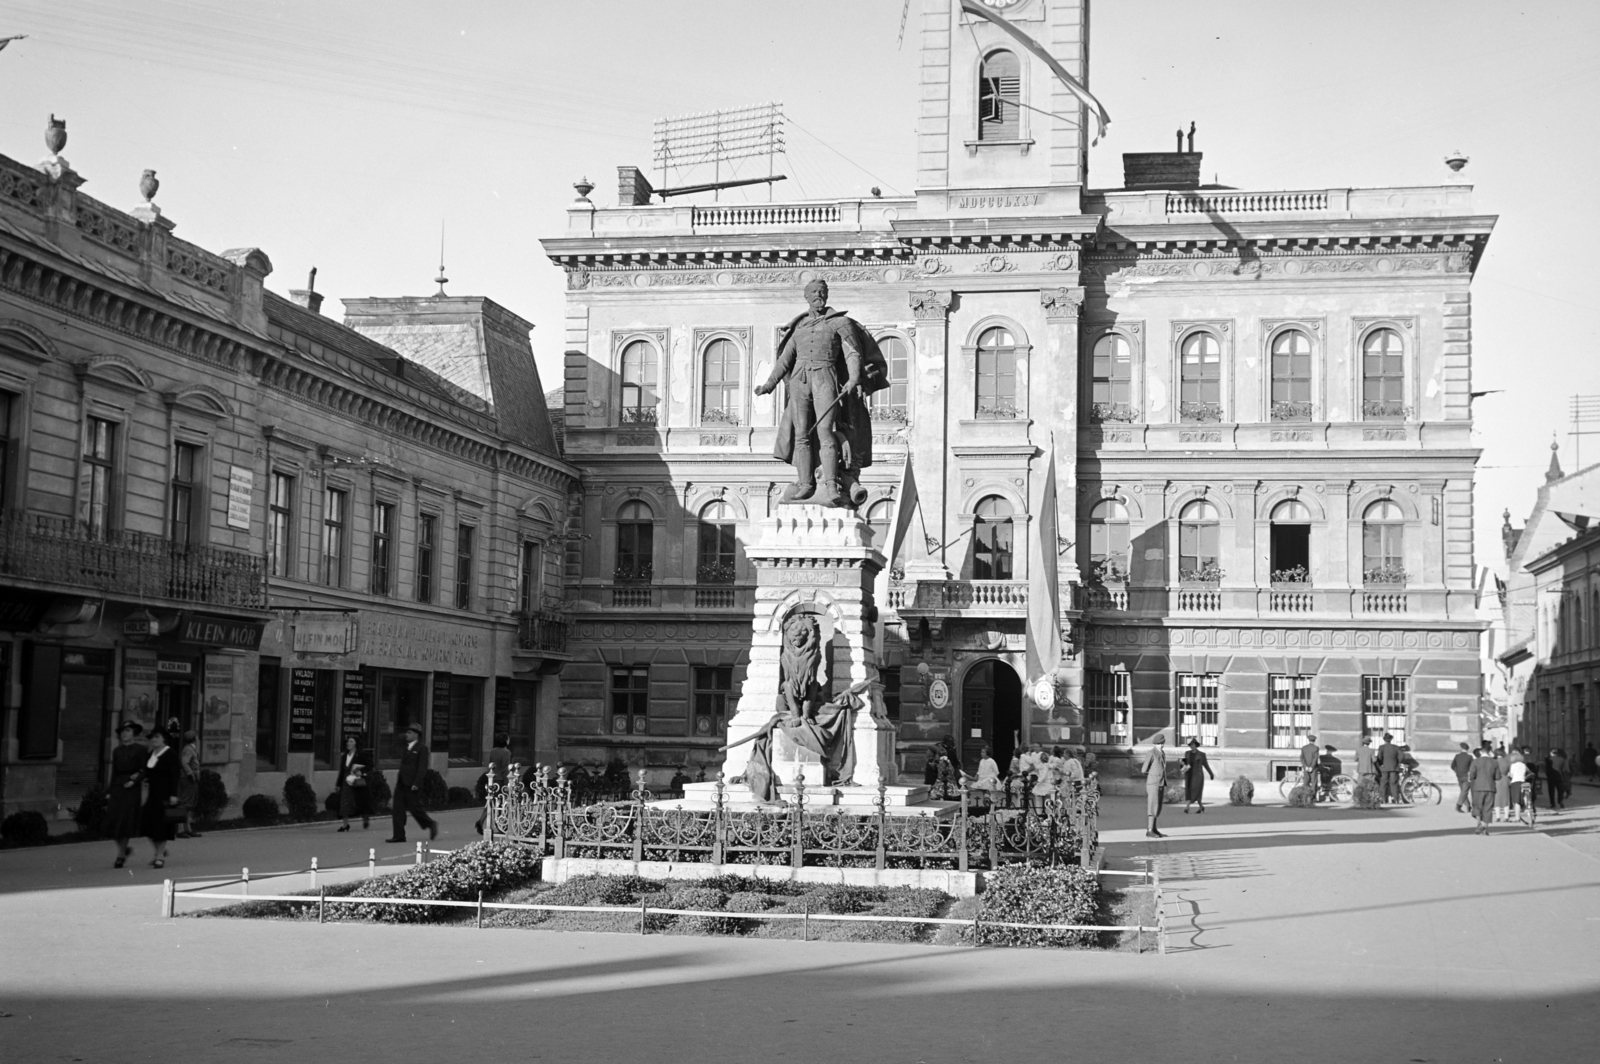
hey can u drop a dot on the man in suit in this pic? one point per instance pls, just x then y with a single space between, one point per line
1461 764
1389 768
1367 760
1155 782
1309 755
1482 776
408 786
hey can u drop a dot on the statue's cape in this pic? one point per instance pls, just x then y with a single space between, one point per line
852 420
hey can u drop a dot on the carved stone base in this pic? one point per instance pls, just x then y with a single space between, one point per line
898 798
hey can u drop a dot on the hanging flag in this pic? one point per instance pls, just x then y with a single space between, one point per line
1076 87
1044 587
905 506
7 40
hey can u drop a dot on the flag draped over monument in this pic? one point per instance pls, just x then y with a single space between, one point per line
1074 86
1044 585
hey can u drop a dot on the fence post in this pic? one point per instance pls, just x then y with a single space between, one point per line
1161 917
882 802
322 905
641 915
168 897
805 920
372 863
419 853
719 828
244 874
961 826
480 910
561 803
797 853
639 794
313 873
994 838
977 922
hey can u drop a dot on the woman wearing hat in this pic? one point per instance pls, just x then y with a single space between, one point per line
122 799
1195 770
161 812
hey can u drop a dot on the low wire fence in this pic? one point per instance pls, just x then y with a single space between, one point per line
538 811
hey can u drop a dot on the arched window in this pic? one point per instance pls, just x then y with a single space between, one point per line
991 540
889 404
721 385
1108 540
997 375
1291 543
999 96
1383 543
635 544
1197 542
1383 377
1200 378
718 544
639 383
1112 380
1291 376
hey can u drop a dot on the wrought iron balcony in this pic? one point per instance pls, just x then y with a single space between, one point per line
639 415
53 550
1112 412
1287 411
1384 410
543 631
1200 412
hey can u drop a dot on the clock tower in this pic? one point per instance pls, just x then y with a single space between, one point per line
999 132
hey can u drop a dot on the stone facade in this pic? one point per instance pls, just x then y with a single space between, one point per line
1236 384
212 507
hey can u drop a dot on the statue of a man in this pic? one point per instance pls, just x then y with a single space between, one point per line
830 365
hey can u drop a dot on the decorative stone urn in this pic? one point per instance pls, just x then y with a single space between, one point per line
55 135
149 186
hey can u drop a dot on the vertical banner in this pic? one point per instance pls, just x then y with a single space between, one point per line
139 698
217 720
302 710
353 709
439 737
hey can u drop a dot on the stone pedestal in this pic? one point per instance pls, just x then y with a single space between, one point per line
816 560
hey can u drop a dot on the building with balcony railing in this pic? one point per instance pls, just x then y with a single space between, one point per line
1238 383
220 508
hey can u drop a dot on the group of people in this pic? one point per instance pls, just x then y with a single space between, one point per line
1495 781
1034 774
155 785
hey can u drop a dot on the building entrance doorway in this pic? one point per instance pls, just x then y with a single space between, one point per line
991 713
401 702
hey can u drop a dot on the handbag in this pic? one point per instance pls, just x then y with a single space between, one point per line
357 777
175 814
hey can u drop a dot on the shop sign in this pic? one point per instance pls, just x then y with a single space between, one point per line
175 668
241 483
425 646
354 708
302 710
323 633
206 631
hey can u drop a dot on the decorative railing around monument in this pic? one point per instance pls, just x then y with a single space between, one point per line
538 811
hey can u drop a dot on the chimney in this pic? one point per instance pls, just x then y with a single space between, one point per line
633 188
1144 171
308 296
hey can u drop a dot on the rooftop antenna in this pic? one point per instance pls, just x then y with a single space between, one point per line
440 280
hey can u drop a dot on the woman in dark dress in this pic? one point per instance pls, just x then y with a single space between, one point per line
122 797
162 772
355 791
1195 771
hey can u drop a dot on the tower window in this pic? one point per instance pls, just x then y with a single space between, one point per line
999 97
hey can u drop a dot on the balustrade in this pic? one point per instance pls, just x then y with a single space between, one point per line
1245 202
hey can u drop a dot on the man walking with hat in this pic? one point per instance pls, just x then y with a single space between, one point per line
408 786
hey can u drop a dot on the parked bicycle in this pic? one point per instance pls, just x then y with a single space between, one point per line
1340 788
1417 789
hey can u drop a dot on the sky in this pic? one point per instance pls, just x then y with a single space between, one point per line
347 134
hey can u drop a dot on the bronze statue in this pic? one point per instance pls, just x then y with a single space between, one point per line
830 365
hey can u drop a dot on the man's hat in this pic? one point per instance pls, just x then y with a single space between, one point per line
413 729
130 725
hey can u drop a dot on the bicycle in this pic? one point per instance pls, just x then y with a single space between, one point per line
1340 789
1417 789
1528 796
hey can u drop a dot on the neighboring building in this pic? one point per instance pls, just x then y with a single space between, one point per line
1553 613
1260 404
219 506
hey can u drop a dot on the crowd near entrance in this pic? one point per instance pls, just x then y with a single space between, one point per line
991 712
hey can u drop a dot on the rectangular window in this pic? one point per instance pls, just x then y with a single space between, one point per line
382 546
333 537
1197 547
529 586
269 714
997 382
1288 711
1112 380
1383 707
713 692
7 448
99 467
466 718
1383 546
630 701
427 538
1198 708
185 459
280 525
464 537
1108 706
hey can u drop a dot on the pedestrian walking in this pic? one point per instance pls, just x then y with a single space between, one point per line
1155 784
1461 764
1389 768
1587 759
189 783
160 813
1484 777
500 770
1502 787
1561 785
1516 780
1195 770
408 787
122 798
355 785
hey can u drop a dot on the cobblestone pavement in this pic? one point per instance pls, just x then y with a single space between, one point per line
1330 934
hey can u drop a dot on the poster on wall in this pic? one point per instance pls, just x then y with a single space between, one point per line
302 710
353 710
139 699
241 482
440 738
217 720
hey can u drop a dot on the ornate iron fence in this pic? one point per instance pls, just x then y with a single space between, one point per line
536 810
